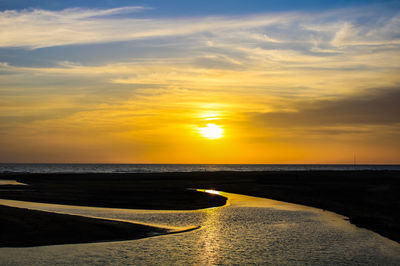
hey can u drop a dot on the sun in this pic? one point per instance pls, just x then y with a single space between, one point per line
211 131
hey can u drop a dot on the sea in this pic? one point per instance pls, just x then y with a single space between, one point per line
161 168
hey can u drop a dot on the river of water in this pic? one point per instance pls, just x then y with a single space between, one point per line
248 230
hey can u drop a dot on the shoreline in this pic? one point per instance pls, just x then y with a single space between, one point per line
368 198
22 227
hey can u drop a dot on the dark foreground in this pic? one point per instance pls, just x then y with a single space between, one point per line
24 228
369 198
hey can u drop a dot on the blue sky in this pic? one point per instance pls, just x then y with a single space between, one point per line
129 81
98 52
205 7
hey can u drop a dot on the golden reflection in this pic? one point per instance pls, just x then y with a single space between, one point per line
240 200
211 242
212 191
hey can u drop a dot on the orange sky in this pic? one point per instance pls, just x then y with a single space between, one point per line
292 87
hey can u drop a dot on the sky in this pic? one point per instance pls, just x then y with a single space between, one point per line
156 81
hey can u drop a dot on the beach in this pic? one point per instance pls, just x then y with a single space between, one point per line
368 198
24 228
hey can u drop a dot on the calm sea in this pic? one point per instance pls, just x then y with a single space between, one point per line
160 168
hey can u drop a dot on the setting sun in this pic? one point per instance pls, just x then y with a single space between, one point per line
211 131
182 82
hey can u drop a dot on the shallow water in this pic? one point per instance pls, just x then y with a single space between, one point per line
249 230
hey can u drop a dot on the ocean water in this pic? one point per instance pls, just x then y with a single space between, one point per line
249 231
159 168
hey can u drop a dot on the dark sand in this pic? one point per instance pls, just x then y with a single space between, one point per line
24 228
369 198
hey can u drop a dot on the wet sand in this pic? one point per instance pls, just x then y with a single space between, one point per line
369 198
25 228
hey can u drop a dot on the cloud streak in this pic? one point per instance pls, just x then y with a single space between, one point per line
376 109
43 28
78 76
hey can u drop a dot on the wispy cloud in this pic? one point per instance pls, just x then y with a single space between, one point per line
43 28
110 76
377 108
330 48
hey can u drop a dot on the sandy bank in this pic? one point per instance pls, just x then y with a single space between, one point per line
24 228
370 199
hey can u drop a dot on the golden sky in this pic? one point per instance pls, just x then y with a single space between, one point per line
109 86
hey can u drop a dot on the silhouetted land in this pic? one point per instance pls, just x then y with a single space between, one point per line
24 228
369 198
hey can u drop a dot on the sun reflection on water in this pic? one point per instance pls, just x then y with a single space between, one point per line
211 238
212 191
252 231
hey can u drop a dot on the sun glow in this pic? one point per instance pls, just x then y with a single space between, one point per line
211 131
